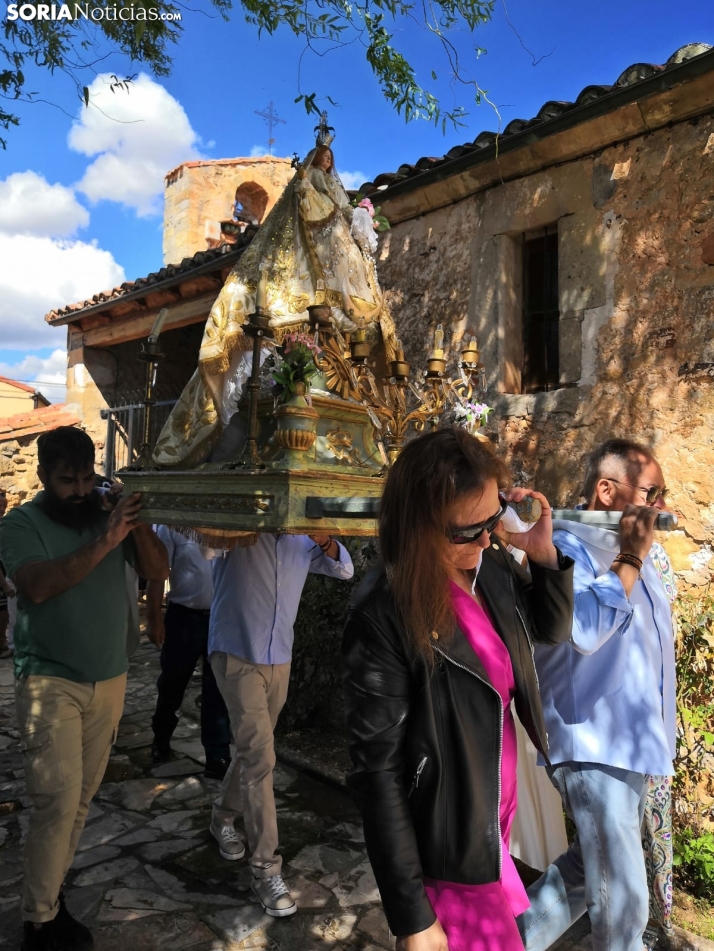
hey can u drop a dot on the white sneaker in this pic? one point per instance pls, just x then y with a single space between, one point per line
229 843
274 896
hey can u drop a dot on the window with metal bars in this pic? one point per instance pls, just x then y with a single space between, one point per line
541 315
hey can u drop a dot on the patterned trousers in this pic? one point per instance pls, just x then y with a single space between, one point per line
657 845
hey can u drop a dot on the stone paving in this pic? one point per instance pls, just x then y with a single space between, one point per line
147 874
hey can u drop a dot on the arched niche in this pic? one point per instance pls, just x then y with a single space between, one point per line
254 200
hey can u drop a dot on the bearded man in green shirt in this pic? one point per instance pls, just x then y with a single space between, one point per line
65 552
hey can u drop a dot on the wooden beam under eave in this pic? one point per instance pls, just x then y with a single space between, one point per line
161 299
124 307
135 328
200 285
96 320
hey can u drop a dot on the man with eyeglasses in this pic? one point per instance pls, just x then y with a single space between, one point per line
609 705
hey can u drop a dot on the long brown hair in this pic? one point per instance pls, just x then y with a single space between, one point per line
430 473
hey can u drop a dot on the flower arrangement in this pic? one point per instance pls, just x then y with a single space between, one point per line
298 352
471 415
379 222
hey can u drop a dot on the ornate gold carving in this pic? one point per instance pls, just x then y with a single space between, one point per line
339 442
301 439
336 368
238 504
298 303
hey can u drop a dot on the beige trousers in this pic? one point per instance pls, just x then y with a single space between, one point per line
254 695
67 730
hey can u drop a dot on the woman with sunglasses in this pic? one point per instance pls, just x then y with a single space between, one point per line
437 644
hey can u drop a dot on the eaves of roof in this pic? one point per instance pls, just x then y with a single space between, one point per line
169 276
636 83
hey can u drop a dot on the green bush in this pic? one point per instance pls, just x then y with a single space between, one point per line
694 861
693 789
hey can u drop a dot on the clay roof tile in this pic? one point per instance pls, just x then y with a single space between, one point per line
550 110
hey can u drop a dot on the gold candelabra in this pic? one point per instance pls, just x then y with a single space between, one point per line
400 404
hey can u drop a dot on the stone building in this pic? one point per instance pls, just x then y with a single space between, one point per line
579 247
200 198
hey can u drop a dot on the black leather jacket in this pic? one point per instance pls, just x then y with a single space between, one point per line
426 746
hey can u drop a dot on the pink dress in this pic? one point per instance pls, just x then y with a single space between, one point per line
482 917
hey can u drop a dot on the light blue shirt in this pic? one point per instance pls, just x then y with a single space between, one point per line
257 593
190 582
609 694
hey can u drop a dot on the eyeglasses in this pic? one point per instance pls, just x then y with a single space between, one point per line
469 533
651 495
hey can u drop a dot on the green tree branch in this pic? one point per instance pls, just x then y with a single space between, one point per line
72 45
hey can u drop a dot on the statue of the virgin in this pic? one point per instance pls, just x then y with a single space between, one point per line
313 248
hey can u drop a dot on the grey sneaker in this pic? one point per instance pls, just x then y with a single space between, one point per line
274 896
229 843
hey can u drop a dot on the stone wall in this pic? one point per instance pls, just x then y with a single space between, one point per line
636 290
200 192
18 469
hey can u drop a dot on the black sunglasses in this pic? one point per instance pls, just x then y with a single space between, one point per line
469 533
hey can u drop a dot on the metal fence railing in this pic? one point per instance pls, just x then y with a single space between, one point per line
125 431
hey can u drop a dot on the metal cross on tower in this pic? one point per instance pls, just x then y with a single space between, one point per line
271 117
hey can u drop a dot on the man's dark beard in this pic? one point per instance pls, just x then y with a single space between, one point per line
78 515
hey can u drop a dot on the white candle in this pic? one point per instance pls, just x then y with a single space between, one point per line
260 290
158 324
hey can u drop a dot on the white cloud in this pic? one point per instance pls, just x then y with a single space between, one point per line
138 136
258 151
48 374
38 275
30 205
352 179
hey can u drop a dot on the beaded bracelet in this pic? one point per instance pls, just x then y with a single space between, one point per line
326 547
632 560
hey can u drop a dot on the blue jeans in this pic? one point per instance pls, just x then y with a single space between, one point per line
603 871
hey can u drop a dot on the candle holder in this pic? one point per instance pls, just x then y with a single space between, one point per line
257 327
152 356
399 367
435 367
470 352
359 345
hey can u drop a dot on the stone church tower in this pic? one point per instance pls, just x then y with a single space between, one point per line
200 197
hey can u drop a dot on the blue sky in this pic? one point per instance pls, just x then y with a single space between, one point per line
80 195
